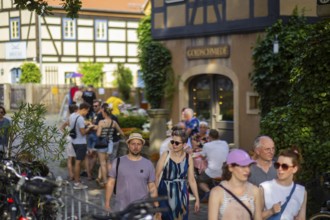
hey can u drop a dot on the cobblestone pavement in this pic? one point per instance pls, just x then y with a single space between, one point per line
81 204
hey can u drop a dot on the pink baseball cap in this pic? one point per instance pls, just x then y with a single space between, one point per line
239 157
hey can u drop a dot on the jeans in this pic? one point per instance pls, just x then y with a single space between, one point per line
91 140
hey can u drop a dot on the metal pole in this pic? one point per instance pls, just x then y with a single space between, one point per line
40 44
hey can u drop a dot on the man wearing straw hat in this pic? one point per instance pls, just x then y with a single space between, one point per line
132 177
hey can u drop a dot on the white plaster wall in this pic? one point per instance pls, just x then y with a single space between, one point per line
48 47
25 17
4 33
85 33
101 49
4 19
132 35
85 48
117 49
86 22
116 23
2 50
7 4
25 32
52 20
132 24
14 13
31 51
132 49
116 34
69 48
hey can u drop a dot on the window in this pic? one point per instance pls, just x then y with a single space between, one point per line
14 29
252 103
101 30
69 28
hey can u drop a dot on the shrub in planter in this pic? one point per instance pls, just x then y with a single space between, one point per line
132 121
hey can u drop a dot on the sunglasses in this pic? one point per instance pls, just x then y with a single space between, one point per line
284 166
95 106
175 142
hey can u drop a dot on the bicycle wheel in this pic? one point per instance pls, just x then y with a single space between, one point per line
320 216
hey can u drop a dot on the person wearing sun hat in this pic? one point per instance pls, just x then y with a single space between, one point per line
222 201
132 178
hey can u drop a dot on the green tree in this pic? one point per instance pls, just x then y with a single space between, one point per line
29 134
124 80
303 119
155 61
30 73
92 73
271 74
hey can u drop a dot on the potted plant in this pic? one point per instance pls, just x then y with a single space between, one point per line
155 61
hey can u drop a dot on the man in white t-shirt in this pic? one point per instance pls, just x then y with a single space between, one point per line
79 143
215 152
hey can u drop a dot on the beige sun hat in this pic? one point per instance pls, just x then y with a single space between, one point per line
135 136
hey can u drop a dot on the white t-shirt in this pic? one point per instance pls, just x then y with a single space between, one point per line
274 193
165 146
216 153
80 139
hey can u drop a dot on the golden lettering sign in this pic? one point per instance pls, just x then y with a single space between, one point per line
207 52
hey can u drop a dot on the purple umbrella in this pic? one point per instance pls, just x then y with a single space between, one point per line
73 75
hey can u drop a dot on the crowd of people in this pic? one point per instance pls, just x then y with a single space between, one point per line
192 157
97 137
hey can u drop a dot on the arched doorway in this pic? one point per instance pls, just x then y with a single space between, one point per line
212 98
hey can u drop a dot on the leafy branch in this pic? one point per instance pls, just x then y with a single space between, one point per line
42 8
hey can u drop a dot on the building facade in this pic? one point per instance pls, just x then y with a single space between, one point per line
211 43
104 32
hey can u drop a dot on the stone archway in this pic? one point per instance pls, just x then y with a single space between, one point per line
211 69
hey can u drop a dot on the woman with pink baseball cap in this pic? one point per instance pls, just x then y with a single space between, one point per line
235 198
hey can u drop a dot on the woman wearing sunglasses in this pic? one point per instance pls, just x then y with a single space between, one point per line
282 198
174 171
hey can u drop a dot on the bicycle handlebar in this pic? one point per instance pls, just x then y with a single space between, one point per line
141 207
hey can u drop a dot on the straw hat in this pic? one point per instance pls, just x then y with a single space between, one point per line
135 136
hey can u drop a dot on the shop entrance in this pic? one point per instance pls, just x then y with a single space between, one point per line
211 97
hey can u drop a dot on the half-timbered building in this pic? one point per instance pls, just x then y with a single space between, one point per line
104 32
211 43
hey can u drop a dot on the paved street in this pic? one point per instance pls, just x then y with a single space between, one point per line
80 204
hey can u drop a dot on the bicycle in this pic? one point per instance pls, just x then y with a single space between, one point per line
25 197
325 209
141 209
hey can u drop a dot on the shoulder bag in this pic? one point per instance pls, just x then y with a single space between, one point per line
72 132
277 216
238 200
115 186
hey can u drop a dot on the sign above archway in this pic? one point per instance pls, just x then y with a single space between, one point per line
208 52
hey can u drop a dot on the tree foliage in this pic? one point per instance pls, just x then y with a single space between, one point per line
92 73
302 118
124 80
155 61
41 7
271 76
30 73
29 134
